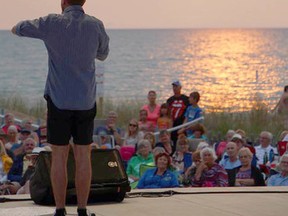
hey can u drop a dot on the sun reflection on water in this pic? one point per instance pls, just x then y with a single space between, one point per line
230 70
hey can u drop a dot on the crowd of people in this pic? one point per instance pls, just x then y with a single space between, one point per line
171 158
19 148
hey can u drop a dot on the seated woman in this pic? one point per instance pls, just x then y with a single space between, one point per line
209 173
198 132
247 174
143 156
144 124
182 157
13 140
191 171
230 161
5 163
150 136
133 135
161 176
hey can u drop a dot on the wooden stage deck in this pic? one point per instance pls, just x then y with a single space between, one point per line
260 201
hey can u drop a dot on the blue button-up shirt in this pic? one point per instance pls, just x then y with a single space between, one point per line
278 180
151 180
73 40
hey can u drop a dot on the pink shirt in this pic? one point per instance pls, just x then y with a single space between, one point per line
154 115
221 148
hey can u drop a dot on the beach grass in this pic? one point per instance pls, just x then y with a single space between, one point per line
258 119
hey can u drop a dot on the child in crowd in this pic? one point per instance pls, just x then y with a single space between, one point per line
144 125
193 112
164 121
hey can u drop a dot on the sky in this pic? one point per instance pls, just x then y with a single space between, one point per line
160 13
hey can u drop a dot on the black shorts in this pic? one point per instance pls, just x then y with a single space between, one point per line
64 124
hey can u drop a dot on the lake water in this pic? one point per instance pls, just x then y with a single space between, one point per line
229 67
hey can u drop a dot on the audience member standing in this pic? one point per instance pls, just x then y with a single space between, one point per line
153 109
282 105
177 104
144 124
192 112
164 121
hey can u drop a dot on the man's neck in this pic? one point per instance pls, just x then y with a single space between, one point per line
233 158
266 146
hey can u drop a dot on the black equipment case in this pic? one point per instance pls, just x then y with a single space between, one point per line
109 180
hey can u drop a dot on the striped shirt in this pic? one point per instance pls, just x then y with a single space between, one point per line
73 40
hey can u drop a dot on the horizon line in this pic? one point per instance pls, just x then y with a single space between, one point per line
178 28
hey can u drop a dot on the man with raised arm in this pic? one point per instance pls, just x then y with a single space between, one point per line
73 40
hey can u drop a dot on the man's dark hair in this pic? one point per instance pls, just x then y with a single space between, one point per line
286 88
76 2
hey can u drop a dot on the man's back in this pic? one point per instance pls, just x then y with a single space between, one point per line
73 41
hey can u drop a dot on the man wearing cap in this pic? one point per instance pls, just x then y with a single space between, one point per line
240 142
110 128
177 104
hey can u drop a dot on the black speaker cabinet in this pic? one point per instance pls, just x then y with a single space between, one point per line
109 180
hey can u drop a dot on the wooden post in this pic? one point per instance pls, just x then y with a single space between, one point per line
100 106
100 88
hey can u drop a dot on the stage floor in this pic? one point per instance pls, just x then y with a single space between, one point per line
260 201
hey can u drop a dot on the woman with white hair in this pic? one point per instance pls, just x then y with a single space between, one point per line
246 174
5 163
12 133
209 173
182 157
202 145
143 156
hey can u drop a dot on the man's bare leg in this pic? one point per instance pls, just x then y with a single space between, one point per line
82 154
59 174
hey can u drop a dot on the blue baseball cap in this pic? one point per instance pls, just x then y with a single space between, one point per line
176 83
